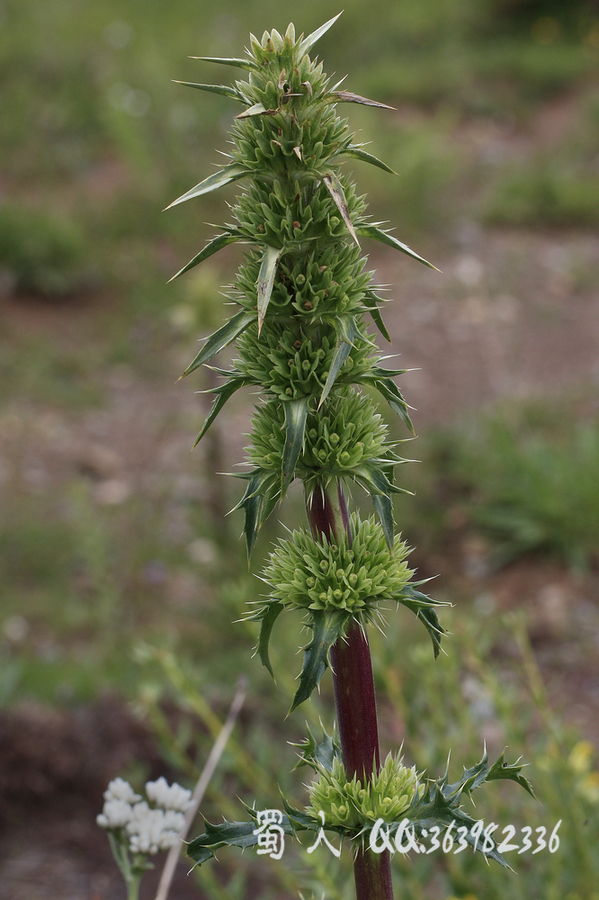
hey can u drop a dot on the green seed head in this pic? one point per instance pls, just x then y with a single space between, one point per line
352 806
343 434
304 573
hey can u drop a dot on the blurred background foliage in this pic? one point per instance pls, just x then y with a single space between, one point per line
115 553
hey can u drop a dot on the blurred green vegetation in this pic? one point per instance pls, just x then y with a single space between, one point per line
97 139
522 476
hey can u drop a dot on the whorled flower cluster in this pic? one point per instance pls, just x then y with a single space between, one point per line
313 286
314 574
338 438
147 830
353 805
289 364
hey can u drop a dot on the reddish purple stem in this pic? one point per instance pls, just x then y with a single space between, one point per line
355 701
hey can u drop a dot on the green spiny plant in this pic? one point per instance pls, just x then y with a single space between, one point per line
303 299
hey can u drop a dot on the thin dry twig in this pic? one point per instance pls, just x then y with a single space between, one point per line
199 791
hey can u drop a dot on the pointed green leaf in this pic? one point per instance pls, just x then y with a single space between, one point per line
393 396
221 338
266 279
224 89
223 393
326 628
375 478
370 301
340 356
222 240
371 231
237 63
384 510
335 189
219 179
296 413
258 109
251 503
348 97
358 153
307 44
273 611
258 501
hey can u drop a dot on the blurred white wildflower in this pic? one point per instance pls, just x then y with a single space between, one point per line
167 796
153 830
146 830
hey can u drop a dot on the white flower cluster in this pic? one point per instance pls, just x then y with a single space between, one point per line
148 830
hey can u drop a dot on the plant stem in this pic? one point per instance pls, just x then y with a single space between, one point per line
355 700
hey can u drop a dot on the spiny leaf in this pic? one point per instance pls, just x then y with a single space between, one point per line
231 834
358 153
224 89
238 63
326 628
266 278
221 338
307 44
219 179
335 189
371 231
316 754
501 770
340 356
370 301
223 393
222 240
296 413
272 613
424 608
348 97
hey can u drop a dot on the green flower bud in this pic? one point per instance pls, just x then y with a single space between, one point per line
304 573
353 806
